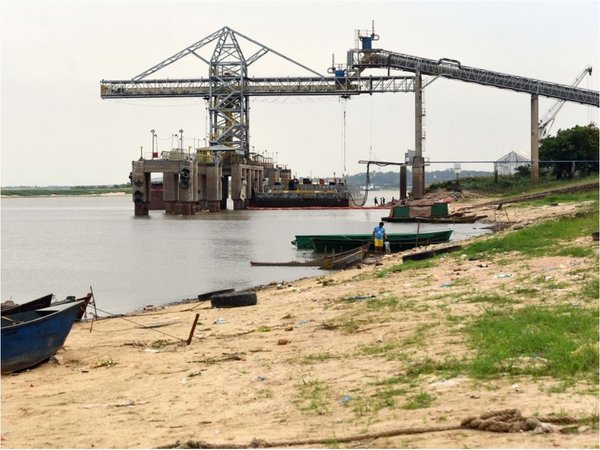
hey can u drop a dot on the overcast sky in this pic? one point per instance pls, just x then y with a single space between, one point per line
56 130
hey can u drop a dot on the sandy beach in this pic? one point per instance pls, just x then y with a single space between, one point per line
313 359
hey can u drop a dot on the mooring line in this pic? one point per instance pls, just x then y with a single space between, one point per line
120 316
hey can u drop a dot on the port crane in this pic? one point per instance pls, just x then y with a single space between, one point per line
547 120
229 87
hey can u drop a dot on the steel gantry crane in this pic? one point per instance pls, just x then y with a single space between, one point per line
227 89
547 120
229 86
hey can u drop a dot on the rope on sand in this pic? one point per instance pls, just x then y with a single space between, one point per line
506 420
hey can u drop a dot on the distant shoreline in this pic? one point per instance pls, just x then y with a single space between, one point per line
105 194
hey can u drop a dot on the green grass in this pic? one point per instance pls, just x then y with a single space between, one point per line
571 197
591 289
383 303
448 368
408 265
418 401
562 337
388 350
312 397
512 185
493 299
345 325
544 239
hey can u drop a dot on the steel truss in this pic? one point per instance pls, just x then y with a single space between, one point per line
229 87
453 69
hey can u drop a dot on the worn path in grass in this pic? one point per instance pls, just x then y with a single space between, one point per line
363 350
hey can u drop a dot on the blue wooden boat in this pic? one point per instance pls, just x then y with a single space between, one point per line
38 303
31 337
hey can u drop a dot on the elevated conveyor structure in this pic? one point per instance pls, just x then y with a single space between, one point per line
258 87
449 68
369 58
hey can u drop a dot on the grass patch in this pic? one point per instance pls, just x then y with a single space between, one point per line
389 350
543 239
591 290
318 357
568 197
408 265
346 326
526 291
493 299
419 401
382 303
265 393
312 397
448 368
558 341
575 252
418 337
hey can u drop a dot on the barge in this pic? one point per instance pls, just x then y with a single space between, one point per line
303 194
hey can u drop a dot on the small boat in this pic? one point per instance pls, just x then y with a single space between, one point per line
70 299
41 302
31 337
285 263
431 213
208 295
452 218
345 259
398 241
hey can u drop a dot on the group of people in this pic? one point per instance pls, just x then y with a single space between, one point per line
381 201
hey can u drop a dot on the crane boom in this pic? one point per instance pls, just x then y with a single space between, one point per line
547 120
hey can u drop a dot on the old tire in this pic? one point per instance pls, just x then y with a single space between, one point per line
233 299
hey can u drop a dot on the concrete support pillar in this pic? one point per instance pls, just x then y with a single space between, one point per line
236 187
201 176
418 167
170 191
186 198
213 187
535 140
224 192
402 182
140 188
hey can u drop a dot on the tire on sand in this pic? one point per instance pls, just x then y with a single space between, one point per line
233 299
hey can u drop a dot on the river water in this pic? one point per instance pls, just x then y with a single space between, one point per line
64 245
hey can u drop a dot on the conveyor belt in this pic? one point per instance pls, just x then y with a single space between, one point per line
453 69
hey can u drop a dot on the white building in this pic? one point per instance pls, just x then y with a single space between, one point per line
507 165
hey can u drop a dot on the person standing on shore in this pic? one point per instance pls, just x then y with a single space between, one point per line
378 237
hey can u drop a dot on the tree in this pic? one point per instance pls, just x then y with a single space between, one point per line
570 146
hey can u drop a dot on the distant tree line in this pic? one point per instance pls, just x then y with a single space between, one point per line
391 179
575 151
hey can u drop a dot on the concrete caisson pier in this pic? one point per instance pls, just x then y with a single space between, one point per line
197 183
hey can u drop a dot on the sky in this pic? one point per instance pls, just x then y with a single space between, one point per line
56 130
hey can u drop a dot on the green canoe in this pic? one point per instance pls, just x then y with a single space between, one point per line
342 242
